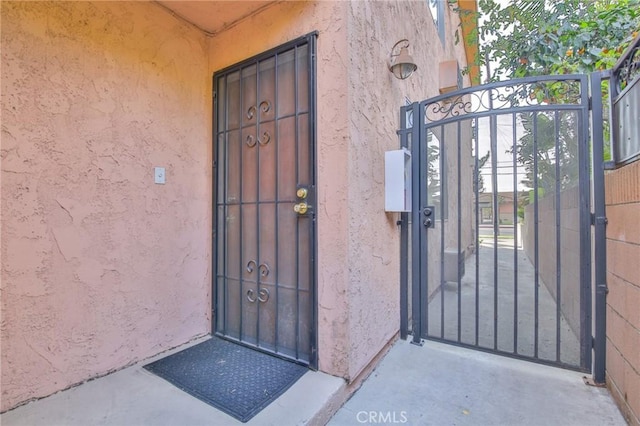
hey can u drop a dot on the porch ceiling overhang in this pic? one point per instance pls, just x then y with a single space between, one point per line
213 17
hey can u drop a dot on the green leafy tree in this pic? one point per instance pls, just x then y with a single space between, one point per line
540 37
557 151
524 38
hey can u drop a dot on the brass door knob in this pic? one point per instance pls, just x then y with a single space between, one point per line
301 208
302 193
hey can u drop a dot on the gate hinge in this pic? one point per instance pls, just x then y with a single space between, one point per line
602 288
215 94
590 103
599 220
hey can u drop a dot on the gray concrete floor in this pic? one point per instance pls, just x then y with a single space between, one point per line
435 384
135 397
440 384
501 306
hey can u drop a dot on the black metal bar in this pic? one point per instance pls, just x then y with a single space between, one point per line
600 235
515 232
224 233
262 203
558 209
276 207
536 221
416 230
496 221
459 167
216 303
443 203
222 247
404 276
269 53
404 241
282 117
311 83
258 230
265 350
297 144
459 94
424 231
585 224
507 111
476 179
511 355
241 174
614 92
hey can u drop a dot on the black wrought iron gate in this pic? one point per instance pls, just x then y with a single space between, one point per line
500 250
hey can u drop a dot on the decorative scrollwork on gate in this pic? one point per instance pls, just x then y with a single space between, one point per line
505 95
629 67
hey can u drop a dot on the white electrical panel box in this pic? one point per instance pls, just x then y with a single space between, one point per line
397 181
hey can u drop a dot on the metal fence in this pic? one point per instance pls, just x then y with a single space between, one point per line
498 248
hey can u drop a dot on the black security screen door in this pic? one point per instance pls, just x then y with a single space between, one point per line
264 289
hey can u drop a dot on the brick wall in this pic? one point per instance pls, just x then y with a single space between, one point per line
623 277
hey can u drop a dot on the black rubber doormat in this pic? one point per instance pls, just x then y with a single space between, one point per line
235 379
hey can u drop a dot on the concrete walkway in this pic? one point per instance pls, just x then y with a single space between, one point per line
435 384
438 384
135 397
496 301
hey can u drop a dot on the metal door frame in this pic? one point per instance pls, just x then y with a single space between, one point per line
454 107
310 40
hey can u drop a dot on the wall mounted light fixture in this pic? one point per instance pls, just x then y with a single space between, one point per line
400 62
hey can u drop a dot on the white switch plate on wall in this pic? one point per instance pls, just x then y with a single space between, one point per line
159 175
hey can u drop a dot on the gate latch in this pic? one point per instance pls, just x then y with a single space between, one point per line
429 216
598 220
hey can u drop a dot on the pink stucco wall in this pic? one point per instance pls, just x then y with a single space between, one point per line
100 266
374 98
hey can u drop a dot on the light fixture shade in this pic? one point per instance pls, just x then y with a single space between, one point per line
402 65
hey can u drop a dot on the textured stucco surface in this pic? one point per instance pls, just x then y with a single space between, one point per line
374 98
100 266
